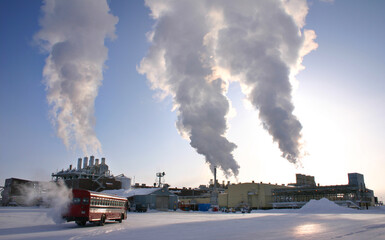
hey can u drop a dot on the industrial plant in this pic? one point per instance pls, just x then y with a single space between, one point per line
94 175
354 194
91 175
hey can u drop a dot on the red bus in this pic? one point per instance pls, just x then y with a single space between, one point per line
95 207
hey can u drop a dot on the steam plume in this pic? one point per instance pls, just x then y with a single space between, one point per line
73 34
197 47
178 63
55 195
263 44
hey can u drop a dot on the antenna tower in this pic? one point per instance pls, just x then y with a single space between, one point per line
160 175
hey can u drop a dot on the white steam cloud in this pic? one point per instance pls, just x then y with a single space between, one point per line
55 195
179 64
73 33
199 46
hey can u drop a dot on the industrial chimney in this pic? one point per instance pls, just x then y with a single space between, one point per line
104 161
215 178
92 161
214 192
85 161
97 162
79 163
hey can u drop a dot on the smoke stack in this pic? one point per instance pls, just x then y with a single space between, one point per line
92 161
70 166
97 162
79 163
85 162
104 161
215 178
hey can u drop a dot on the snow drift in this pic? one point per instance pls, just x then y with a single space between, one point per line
324 206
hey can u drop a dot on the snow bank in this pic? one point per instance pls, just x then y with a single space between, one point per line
324 206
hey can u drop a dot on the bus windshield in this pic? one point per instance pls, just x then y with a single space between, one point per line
86 201
75 200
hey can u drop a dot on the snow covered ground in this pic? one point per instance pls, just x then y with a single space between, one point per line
316 220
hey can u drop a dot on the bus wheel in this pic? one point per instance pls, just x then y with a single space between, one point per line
121 219
81 223
102 220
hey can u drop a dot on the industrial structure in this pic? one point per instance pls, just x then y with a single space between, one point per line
94 175
91 175
14 192
266 196
153 198
248 196
159 177
214 192
229 196
144 197
354 194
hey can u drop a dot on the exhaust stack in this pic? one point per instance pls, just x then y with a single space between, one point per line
79 163
85 162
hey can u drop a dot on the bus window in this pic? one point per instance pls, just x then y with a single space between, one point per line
86 201
75 200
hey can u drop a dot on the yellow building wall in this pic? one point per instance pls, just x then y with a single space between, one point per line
223 199
254 195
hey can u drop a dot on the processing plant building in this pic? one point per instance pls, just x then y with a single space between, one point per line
252 195
93 175
354 194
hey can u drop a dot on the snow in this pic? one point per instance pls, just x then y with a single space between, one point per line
131 192
325 206
316 220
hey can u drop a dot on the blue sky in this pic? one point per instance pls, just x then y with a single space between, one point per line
339 101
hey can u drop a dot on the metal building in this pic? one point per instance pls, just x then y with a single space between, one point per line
152 198
141 199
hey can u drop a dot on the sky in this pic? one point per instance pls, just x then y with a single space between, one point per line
338 99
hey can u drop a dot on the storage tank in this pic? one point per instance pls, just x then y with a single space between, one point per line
126 182
103 168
